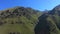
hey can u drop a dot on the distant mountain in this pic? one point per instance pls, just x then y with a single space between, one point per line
18 20
49 23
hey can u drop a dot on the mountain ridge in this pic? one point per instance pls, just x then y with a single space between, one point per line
22 20
49 22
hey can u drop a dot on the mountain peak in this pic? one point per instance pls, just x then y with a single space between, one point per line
57 7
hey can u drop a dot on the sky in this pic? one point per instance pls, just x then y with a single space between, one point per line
35 4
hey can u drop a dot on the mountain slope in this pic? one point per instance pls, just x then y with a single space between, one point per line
18 20
49 23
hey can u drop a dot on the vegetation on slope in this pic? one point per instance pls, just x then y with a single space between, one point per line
18 20
49 23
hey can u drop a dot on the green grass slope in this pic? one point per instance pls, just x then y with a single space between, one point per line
18 20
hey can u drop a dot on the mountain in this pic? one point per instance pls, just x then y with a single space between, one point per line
25 20
49 23
18 20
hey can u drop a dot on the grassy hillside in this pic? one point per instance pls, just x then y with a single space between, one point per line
18 20
49 23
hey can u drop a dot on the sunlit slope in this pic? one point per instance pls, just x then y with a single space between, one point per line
18 20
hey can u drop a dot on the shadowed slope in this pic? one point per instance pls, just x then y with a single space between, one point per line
49 23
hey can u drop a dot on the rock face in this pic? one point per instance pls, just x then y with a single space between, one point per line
49 22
